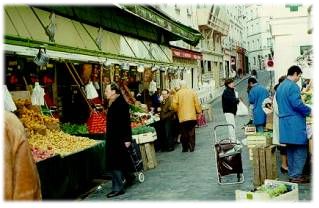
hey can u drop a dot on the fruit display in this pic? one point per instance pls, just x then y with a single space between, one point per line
74 128
32 118
60 142
39 154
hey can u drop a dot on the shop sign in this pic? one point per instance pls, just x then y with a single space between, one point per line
186 54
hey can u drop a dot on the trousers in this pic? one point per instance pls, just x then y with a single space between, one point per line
230 119
297 156
188 134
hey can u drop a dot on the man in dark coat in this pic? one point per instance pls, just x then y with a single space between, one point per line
166 115
119 138
229 103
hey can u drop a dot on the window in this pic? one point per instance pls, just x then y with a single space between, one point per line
202 66
209 67
254 60
177 9
189 11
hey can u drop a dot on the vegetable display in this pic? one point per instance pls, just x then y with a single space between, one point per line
142 130
274 190
74 129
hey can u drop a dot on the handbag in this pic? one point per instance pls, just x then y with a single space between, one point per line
242 109
96 123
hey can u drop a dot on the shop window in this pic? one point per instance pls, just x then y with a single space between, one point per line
202 66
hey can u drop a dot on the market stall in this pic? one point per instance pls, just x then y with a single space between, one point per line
66 164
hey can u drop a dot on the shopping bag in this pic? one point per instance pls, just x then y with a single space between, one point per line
96 123
242 109
201 120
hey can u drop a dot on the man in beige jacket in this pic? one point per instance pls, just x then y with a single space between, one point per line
21 181
186 104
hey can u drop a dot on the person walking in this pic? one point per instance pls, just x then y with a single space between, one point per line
292 124
119 138
257 94
186 104
21 177
281 147
166 116
229 104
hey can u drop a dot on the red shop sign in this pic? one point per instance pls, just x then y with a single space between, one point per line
186 54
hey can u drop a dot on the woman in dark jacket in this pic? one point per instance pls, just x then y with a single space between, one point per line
229 103
119 138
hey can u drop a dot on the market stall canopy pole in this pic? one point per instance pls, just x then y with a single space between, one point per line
78 84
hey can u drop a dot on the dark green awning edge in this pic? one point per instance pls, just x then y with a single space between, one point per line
13 40
187 34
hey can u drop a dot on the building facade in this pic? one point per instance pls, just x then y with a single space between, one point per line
235 60
291 45
259 39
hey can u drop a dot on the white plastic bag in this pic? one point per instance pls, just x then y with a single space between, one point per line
90 90
242 109
9 105
152 88
37 97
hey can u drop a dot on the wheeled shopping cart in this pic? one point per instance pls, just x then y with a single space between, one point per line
228 156
136 159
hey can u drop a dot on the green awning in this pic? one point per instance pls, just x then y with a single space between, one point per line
137 21
150 14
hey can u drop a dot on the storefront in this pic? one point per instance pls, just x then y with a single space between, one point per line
63 48
187 63
241 65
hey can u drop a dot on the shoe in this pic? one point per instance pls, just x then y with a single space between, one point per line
115 193
299 180
283 170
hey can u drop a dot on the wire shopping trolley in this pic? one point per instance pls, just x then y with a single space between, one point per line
228 156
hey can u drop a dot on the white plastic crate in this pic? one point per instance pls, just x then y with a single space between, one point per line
291 196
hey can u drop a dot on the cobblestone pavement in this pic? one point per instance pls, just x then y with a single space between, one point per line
192 176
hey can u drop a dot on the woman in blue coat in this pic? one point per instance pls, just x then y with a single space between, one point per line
292 123
257 94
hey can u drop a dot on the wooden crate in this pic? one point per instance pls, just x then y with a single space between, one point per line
264 164
292 195
21 95
148 155
258 140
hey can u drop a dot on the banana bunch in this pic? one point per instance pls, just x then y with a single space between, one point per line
61 143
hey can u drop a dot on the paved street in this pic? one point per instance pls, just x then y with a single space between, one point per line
192 176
